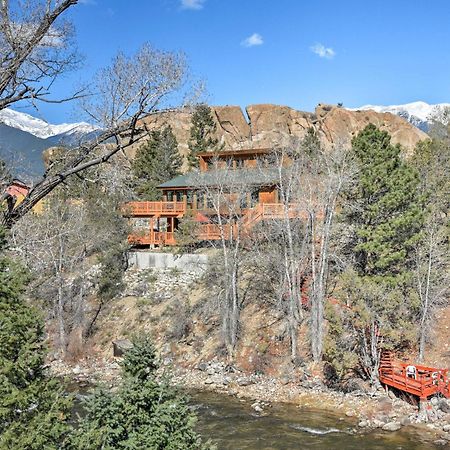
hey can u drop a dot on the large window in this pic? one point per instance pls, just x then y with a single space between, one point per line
254 197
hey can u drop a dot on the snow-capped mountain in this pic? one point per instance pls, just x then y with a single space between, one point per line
419 113
23 138
40 128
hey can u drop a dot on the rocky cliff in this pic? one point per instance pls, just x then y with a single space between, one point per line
270 125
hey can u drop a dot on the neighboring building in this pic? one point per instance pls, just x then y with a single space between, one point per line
14 193
155 223
17 189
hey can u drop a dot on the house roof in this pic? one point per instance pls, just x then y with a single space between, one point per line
250 177
242 152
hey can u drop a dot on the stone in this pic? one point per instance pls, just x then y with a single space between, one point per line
446 428
363 424
202 366
405 421
120 346
391 426
440 442
444 405
377 423
244 382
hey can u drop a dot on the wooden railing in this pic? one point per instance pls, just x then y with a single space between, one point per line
425 382
214 232
210 231
137 209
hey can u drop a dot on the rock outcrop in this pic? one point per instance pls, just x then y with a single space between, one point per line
269 125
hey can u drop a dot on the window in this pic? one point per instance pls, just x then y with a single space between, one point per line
239 163
254 197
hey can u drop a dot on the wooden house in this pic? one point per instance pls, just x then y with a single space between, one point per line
154 223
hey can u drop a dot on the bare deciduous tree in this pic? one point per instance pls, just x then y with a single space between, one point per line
60 246
128 90
432 275
35 48
325 178
225 192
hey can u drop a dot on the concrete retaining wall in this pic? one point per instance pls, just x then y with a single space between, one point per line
149 260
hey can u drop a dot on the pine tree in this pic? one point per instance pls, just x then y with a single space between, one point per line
34 410
145 412
156 161
202 133
385 207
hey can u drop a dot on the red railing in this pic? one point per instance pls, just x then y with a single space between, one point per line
251 217
137 209
423 382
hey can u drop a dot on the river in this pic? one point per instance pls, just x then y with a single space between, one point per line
233 425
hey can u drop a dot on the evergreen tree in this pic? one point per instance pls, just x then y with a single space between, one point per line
202 133
156 161
34 410
383 213
384 207
145 412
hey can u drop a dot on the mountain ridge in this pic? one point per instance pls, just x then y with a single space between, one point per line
419 113
40 128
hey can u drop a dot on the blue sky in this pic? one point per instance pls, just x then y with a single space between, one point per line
291 52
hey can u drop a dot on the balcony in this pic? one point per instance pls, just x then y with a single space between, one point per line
149 209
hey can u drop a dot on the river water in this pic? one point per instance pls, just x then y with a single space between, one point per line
233 425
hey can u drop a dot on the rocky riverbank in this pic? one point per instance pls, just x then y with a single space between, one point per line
369 410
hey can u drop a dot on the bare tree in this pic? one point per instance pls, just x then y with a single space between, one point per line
68 247
286 237
35 48
310 180
225 192
51 244
327 175
122 94
432 275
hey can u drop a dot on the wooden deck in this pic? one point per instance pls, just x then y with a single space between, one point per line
428 381
250 218
154 209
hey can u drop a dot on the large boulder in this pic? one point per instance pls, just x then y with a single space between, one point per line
268 125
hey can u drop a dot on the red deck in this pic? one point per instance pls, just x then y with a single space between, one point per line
427 382
209 231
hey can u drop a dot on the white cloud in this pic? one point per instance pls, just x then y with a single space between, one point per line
251 41
192 4
322 51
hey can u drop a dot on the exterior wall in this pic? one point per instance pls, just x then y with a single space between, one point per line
150 260
267 196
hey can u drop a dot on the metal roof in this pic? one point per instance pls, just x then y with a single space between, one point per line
251 177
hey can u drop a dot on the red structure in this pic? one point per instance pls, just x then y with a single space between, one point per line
420 381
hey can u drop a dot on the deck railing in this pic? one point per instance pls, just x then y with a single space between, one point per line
137 209
425 382
210 231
